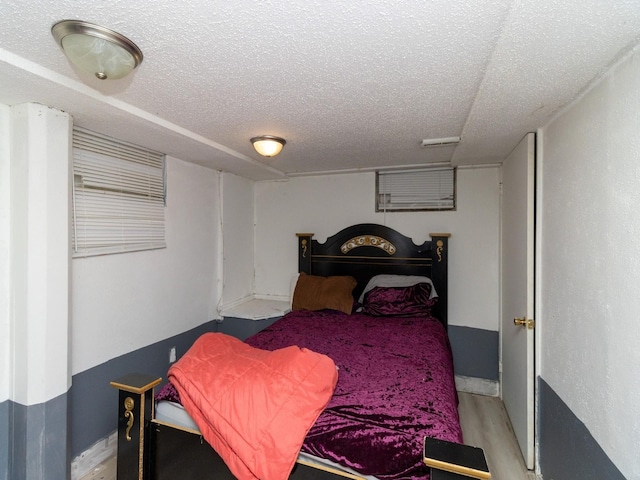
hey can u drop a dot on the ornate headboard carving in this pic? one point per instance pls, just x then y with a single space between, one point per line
368 241
368 249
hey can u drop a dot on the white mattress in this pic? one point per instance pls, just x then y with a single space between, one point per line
175 414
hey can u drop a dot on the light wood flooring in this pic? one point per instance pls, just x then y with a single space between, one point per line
484 422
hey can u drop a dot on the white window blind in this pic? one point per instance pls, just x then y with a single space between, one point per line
416 189
118 196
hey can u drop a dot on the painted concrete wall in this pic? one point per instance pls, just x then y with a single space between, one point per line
5 122
125 303
237 238
325 204
121 303
5 331
590 262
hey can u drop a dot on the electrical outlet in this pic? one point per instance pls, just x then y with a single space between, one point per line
172 355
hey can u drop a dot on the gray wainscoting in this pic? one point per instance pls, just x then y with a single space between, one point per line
475 352
4 440
94 410
37 439
567 448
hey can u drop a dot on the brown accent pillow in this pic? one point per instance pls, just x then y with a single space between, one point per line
314 292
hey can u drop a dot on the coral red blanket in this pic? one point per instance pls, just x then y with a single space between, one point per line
253 406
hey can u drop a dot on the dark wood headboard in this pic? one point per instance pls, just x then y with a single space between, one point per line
368 249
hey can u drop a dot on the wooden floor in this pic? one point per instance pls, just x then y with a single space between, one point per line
104 471
484 422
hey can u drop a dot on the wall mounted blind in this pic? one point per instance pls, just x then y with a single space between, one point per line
118 196
416 189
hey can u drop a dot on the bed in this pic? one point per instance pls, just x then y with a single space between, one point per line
386 338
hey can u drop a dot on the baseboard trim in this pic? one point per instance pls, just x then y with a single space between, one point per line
94 456
480 386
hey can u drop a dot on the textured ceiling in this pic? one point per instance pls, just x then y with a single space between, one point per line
350 85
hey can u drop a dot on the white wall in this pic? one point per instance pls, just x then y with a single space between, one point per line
124 302
590 262
238 238
325 204
5 331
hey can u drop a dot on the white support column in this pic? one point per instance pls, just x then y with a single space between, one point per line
39 287
5 331
5 117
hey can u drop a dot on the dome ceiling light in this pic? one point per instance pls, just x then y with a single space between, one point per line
268 145
97 50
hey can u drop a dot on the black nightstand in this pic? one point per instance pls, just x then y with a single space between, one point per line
135 410
450 460
443 475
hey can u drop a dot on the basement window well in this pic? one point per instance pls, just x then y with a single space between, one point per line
420 189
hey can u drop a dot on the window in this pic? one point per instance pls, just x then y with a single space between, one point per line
416 189
118 196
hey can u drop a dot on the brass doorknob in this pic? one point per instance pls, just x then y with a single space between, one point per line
523 322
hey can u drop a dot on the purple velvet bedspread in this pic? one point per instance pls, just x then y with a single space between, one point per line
395 386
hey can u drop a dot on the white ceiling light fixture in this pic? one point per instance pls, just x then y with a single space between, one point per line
268 145
440 142
97 50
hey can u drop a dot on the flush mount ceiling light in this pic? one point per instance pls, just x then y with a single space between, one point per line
95 49
268 145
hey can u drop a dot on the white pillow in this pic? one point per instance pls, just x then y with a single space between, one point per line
387 280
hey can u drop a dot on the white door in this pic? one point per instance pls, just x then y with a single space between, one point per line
518 187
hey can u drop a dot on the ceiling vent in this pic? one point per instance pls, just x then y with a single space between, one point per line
440 142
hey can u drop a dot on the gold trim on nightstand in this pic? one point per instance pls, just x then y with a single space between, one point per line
121 384
128 413
142 439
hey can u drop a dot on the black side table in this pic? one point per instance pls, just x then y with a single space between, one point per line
135 411
450 460
444 475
